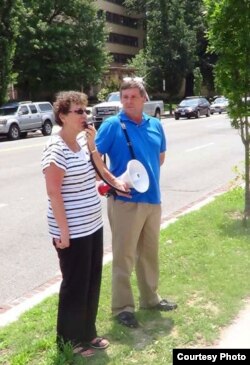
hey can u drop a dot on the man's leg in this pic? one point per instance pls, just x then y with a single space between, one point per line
126 225
147 264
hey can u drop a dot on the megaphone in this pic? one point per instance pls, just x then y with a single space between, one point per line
135 176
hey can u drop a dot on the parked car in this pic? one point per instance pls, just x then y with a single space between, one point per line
192 107
219 105
19 118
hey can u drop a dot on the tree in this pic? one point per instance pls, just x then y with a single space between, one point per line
170 45
8 27
61 45
139 63
229 37
197 81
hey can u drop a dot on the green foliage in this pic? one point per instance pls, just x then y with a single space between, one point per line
111 86
61 45
139 63
139 6
8 29
197 81
170 45
229 38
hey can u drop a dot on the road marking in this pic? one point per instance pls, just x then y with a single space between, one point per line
199 147
21 147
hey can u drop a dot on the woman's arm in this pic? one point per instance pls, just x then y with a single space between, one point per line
101 166
54 177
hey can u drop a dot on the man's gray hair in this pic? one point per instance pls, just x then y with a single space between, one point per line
133 83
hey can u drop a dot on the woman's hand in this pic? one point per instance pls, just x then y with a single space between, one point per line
121 185
90 136
62 242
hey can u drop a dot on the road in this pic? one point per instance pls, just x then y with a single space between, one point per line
201 155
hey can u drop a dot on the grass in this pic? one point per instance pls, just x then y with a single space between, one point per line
167 107
204 264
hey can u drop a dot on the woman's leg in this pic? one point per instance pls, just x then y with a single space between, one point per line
79 292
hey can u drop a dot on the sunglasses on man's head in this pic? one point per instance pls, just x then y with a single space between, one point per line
77 111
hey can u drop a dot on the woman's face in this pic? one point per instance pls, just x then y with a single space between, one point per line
76 118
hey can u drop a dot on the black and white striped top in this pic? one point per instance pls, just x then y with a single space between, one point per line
81 201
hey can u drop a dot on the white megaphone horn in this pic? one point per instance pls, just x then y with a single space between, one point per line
135 176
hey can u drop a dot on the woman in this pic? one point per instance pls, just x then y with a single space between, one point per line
75 221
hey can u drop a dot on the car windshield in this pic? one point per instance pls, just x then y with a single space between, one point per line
220 101
8 111
189 102
114 97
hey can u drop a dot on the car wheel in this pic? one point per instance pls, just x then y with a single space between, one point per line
176 117
158 114
208 113
198 114
14 132
47 128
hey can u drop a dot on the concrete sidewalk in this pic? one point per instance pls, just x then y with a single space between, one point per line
237 335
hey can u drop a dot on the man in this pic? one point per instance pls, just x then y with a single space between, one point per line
134 221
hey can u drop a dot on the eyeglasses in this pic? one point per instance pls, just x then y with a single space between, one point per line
77 111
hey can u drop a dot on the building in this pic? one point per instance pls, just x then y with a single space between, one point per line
126 36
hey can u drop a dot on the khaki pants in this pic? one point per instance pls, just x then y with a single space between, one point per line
135 239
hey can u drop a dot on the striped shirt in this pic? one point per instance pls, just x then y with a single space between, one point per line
81 201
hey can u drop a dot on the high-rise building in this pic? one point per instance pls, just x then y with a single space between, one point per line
125 34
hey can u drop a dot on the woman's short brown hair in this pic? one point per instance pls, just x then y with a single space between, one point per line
63 102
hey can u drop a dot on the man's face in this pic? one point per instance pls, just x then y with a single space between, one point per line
132 102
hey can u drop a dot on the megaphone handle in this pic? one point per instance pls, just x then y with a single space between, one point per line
111 192
100 175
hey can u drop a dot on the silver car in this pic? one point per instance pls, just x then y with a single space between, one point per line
219 105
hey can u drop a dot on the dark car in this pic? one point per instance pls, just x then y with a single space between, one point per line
192 107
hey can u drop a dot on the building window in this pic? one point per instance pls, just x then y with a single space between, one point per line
123 39
121 57
122 20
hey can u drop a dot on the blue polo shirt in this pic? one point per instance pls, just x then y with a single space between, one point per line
148 141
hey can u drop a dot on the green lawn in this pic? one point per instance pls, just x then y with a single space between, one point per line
204 263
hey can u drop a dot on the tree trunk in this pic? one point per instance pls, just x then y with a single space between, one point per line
247 187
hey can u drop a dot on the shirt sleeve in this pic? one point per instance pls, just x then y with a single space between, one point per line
53 153
106 135
163 147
